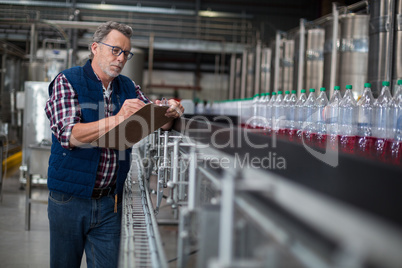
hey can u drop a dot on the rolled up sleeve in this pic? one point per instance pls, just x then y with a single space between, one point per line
63 110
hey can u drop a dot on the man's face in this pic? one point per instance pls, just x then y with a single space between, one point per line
110 64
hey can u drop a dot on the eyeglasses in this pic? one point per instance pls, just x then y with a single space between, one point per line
117 51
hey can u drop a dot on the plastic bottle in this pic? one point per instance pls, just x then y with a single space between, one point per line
320 119
246 112
365 106
332 118
291 116
262 106
254 120
283 114
348 121
394 110
333 112
395 115
270 114
299 114
277 111
200 108
208 108
381 123
310 108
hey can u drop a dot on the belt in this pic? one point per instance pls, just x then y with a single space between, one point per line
99 192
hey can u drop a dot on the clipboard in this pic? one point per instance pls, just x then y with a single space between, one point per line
145 121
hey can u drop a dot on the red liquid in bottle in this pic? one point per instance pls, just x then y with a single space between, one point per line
365 146
379 149
396 152
321 140
333 141
282 132
299 136
347 143
309 137
292 134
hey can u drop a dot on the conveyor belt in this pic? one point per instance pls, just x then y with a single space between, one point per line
368 185
140 240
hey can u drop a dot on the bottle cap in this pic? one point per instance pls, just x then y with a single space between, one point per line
399 82
322 89
294 91
273 93
256 95
385 83
268 93
279 92
368 84
312 90
337 88
303 91
287 92
349 87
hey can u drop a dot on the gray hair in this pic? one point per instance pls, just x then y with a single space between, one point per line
105 28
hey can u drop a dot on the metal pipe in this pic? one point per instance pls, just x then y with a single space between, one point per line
300 73
390 23
232 76
227 220
3 71
216 77
355 6
325 18
243 75
277 57
175 166
334 51
32 54
150 59
257 82
192 180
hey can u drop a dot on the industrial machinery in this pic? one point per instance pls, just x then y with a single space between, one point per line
245 199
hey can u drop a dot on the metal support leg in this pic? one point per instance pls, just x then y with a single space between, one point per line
227 220
28 193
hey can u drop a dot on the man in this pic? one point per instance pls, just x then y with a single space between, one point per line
85 182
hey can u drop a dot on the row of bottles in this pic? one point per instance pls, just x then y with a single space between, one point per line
367 126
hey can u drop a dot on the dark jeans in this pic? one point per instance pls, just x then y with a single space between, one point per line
78 224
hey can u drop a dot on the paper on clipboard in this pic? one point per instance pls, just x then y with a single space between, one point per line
145 121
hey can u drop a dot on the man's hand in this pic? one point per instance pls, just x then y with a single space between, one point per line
130 106
175 108
84 133
175 111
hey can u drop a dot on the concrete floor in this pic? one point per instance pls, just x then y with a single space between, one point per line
30 249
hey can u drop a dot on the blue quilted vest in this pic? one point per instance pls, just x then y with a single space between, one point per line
74 171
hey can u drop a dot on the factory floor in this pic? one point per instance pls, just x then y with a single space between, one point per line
30 249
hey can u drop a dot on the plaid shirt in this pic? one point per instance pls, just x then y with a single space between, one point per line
63 110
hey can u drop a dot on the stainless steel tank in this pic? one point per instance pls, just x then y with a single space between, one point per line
287 65
36 131
250 74
397 70
266 69
237 93
284 55
328 28
352 55
272 46
378 69
296 38
314 71
353 58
